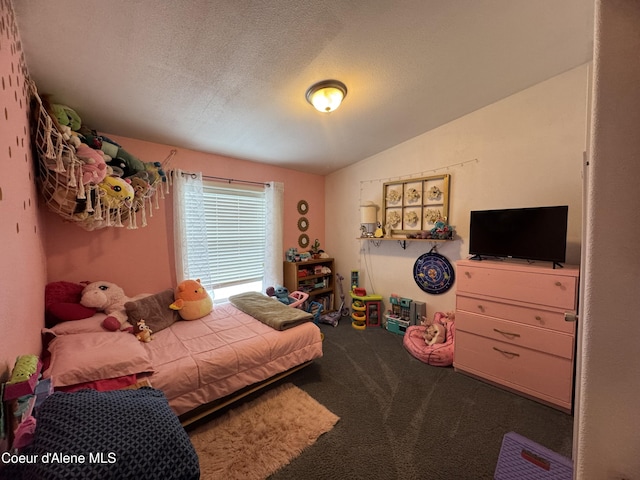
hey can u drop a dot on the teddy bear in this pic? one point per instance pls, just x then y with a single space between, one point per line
141 187
144 332
110 298
191 300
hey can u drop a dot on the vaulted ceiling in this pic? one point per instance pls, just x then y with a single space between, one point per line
229 76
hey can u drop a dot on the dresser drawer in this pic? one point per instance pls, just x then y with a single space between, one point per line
531 286
535 338
530 315
532 371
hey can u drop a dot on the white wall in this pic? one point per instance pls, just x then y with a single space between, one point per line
525 150
608 419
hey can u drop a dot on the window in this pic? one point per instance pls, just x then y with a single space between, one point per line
235 218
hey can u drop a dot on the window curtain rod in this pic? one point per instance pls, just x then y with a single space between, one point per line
228 180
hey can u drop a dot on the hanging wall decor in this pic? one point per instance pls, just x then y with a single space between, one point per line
303 240
303 207
415 204
433 273
303 224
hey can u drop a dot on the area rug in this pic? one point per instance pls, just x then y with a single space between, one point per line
258 438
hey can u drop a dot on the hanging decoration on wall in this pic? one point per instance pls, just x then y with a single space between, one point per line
433 272
415 204
303 240
303 224
303 207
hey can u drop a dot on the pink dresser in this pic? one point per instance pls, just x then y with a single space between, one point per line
510 327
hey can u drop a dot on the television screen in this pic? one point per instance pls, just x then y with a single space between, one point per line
538 233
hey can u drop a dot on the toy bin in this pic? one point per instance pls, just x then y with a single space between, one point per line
396 325
523 459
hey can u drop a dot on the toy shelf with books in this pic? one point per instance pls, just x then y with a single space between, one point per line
314 277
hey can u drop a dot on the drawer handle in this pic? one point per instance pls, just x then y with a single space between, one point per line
504 352
481 308
538 317
467 274
558 284
507 334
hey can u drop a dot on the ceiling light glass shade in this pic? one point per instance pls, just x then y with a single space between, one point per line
327 95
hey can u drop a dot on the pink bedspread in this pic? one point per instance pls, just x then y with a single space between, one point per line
199 361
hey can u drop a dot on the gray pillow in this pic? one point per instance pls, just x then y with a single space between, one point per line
154 310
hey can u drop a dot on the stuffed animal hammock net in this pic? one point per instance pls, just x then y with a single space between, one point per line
68 190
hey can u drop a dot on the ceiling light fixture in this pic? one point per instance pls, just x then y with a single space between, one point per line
327 95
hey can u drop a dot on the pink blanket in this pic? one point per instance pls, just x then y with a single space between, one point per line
198 361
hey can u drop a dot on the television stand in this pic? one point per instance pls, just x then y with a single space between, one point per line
511 329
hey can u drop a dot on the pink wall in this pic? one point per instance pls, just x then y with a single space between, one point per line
22 254
142 260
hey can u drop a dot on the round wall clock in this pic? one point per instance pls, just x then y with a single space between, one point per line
303 240
303 224
433 273
303 207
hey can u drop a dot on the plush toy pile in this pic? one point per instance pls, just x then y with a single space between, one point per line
141 315
89 178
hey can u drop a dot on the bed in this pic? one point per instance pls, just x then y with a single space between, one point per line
121 404
200 365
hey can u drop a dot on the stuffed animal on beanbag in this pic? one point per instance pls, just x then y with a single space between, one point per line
109 298
435 333
192 300
62 303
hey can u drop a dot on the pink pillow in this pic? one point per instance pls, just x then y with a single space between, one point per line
87 357
86 325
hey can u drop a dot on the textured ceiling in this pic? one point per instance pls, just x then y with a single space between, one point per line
230 76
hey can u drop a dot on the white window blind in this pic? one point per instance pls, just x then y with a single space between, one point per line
236 234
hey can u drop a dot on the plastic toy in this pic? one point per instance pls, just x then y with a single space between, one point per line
294 299
332 318
315 309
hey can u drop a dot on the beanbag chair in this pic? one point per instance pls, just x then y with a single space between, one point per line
438 354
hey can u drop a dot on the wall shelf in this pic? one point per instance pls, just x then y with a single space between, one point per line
403 241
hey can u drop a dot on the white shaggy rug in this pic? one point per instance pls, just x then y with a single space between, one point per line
257 438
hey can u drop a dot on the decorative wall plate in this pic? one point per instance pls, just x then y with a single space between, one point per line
433 273
303 224
303 207
303 240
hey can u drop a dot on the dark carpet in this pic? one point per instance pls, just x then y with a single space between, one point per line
403 419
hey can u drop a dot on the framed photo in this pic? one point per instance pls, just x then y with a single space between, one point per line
415 204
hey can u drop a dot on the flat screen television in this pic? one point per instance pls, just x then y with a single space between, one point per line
537 233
